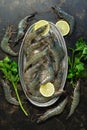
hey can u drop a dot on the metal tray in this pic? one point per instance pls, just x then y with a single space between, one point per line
22 60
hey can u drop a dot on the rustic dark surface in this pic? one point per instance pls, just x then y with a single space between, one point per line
11 12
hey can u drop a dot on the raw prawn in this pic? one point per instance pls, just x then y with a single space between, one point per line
5 43
7 92
62 14
54 111
23 25
76 99
35 58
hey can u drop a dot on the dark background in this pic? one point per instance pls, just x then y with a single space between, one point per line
11 12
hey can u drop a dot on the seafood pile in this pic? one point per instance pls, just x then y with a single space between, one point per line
42 60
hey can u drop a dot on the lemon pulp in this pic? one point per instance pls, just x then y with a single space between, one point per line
41 23
47 90
63 26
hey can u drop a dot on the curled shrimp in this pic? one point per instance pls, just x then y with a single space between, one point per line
50 73
76 99
5 42
62 14
58 79
33 85
23 25
35 58
34 46
30 37
57 53
30 72
54 111
42 99
7 93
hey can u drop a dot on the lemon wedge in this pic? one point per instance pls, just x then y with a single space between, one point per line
63 26
41 23
47 90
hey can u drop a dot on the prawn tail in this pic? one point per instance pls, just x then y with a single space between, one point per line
70 113
13 101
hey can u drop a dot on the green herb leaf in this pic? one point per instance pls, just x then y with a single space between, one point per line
10 71
70 75
6 59
1 63
80 44
80 67
76 61
85 51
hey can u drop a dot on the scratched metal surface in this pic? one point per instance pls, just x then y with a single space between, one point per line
11 12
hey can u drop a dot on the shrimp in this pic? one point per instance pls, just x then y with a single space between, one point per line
58 79
36 57
57 53
30 37
29 73
41 99
39 43
76 99
50 74
23 25
5 43
33 85
54 111
62 14
7 93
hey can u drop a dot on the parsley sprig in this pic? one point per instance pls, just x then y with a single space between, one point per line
10 72
77 61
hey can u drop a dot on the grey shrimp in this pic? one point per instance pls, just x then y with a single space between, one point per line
7 93
76 99
45 99
5 43
50 71
31 36
62 14
29 73
35 58
54 111
57 53
23 25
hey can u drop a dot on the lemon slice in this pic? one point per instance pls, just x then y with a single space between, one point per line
40 24
47 90
63 26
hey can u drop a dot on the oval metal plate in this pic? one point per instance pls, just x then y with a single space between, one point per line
22 59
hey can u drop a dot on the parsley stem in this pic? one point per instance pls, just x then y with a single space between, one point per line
15 88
